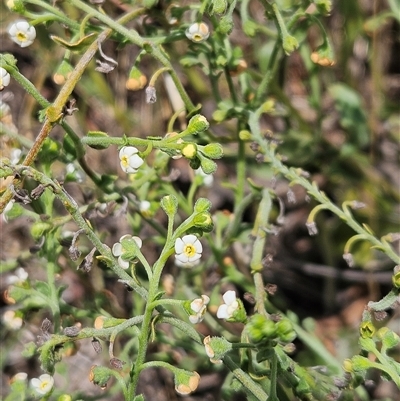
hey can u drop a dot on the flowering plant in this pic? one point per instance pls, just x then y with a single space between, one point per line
158 223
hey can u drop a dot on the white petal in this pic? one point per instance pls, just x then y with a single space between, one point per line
138 241
222 312
194 258
189 239
135 161
182 258
123 263
229 297
179 245
198 246
117 249
194 319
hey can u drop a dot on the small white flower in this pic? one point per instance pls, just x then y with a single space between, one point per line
12 320
4 78
20 376
187 265
118 250
199 307
188 249
130 160
226 310
22 33
43 384
208 179
20 275
198 32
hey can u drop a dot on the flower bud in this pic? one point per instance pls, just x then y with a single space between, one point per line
197 123
202 205
225 25
99 375
203 221
186 382
63 72
189 150
169 204
216 348
290 44
213 151
367 329
17 6
136 80
260 328
208 166
219 6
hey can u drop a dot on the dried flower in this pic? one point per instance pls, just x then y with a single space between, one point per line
312 228
188 249
4 78
198 32
22 33
151 94
12 320
130 160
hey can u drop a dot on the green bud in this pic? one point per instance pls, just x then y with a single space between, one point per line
208 166
250 28
285 331
169 204
16 6
367 329
388 337
396 278
218 7
213 151
64 397
219 115
99 375
203 221
39 228
225 25
197 123
202 205
245 135
96 140
139 398
361 363
195 163
324 7
260 328
290 44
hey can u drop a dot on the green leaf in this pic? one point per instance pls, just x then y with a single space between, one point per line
77 46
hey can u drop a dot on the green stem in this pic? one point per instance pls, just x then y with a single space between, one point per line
246 380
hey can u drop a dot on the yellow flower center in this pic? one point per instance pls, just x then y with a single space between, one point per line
125 161
44 385
21 36
197 37
189 250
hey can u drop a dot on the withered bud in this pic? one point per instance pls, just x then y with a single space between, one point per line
37 192
271 289
312 228
348 257
254 146
104 67
151 94
260 158
96 345
117 363
74 252
87 262
249 297
46 326
380 315
72 331
291 197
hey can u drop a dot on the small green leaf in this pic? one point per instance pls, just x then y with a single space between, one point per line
77 46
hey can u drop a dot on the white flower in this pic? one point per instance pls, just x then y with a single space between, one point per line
15 155
22 33
208 179
12 320
199 307
187 265
188 249
19 277
226 310
43 384
130 160
20 376
198 32
4 78
118 250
